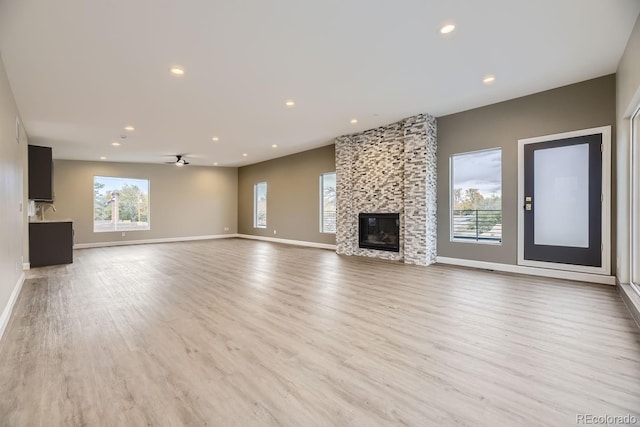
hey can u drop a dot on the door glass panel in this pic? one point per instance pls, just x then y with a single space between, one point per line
561 196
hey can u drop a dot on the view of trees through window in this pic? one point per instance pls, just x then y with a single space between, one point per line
477 195
260 205
120 204
328 202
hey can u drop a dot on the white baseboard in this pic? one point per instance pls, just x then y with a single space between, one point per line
26 266
631 300
148 241
6 313
532 271
288 241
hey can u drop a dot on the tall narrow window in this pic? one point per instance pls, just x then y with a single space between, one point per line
328 202
120 204
635 201
476 196
260 205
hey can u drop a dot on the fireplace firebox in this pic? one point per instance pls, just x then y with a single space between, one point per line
379 231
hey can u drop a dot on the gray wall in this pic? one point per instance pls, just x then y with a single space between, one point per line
12 164
578 106
627 96
293 195
184 202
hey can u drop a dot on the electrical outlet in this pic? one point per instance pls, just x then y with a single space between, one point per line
226 229
123 234
275 232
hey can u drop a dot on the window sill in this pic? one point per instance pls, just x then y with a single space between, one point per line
477 242
127 230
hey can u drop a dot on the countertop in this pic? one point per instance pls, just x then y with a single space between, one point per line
50 220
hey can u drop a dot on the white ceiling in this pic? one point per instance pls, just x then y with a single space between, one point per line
82 70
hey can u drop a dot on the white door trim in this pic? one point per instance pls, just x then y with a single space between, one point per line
606 201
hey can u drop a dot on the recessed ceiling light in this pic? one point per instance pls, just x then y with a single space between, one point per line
129 128
115 143
489 79
290 103
354 121
244 154
177 70
274 145
215 163
103 158
215 139
447 29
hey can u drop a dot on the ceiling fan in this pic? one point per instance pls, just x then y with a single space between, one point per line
179 161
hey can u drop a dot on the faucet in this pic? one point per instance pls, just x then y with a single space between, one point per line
43 207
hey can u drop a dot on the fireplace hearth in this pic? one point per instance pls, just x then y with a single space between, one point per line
379 231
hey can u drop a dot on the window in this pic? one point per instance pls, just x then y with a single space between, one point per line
328 202
120 204
635 201
476 196
260 205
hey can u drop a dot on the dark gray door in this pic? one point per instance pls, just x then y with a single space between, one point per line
563 201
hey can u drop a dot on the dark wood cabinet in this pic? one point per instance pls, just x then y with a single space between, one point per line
50 243
40 173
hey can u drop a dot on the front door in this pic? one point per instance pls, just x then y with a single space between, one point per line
562 201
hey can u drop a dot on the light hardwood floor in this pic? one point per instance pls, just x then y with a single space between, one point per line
246 333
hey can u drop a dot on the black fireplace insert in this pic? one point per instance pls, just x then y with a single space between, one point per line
379 231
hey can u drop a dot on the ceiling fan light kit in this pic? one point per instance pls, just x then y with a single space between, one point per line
179 161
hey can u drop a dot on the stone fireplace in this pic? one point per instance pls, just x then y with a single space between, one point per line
390 170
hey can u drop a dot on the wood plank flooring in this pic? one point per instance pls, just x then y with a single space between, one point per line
246 333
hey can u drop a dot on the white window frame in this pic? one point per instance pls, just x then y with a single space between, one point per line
255 204
322 230
452 201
